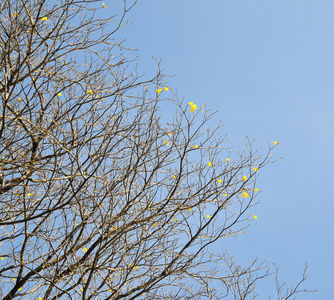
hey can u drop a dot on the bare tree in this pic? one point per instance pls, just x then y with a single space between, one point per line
105 194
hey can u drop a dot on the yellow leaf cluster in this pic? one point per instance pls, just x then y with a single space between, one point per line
193 106
160 90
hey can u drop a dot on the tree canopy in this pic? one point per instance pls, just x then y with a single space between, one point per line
111 186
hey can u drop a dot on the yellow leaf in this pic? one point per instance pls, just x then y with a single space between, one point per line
210 164
90 92
16 15
155 224
175 220
275 143
1 258
225 195
193 107
20 99
104 6
255 169
174 176
146 88
244 178
196 146
227 159
136 267
170 133
167 143
244 194
255 217
114 118
166 88
110 290
84 249
255 190
159 91
59 94
208 216
191 103
20 289
29 194
219 180
44 18
189 208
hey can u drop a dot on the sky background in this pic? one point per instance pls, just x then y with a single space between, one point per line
267 67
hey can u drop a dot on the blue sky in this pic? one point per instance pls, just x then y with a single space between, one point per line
267 67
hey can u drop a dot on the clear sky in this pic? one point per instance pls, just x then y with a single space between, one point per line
267 67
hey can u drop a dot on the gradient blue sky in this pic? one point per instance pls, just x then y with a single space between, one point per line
267 67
